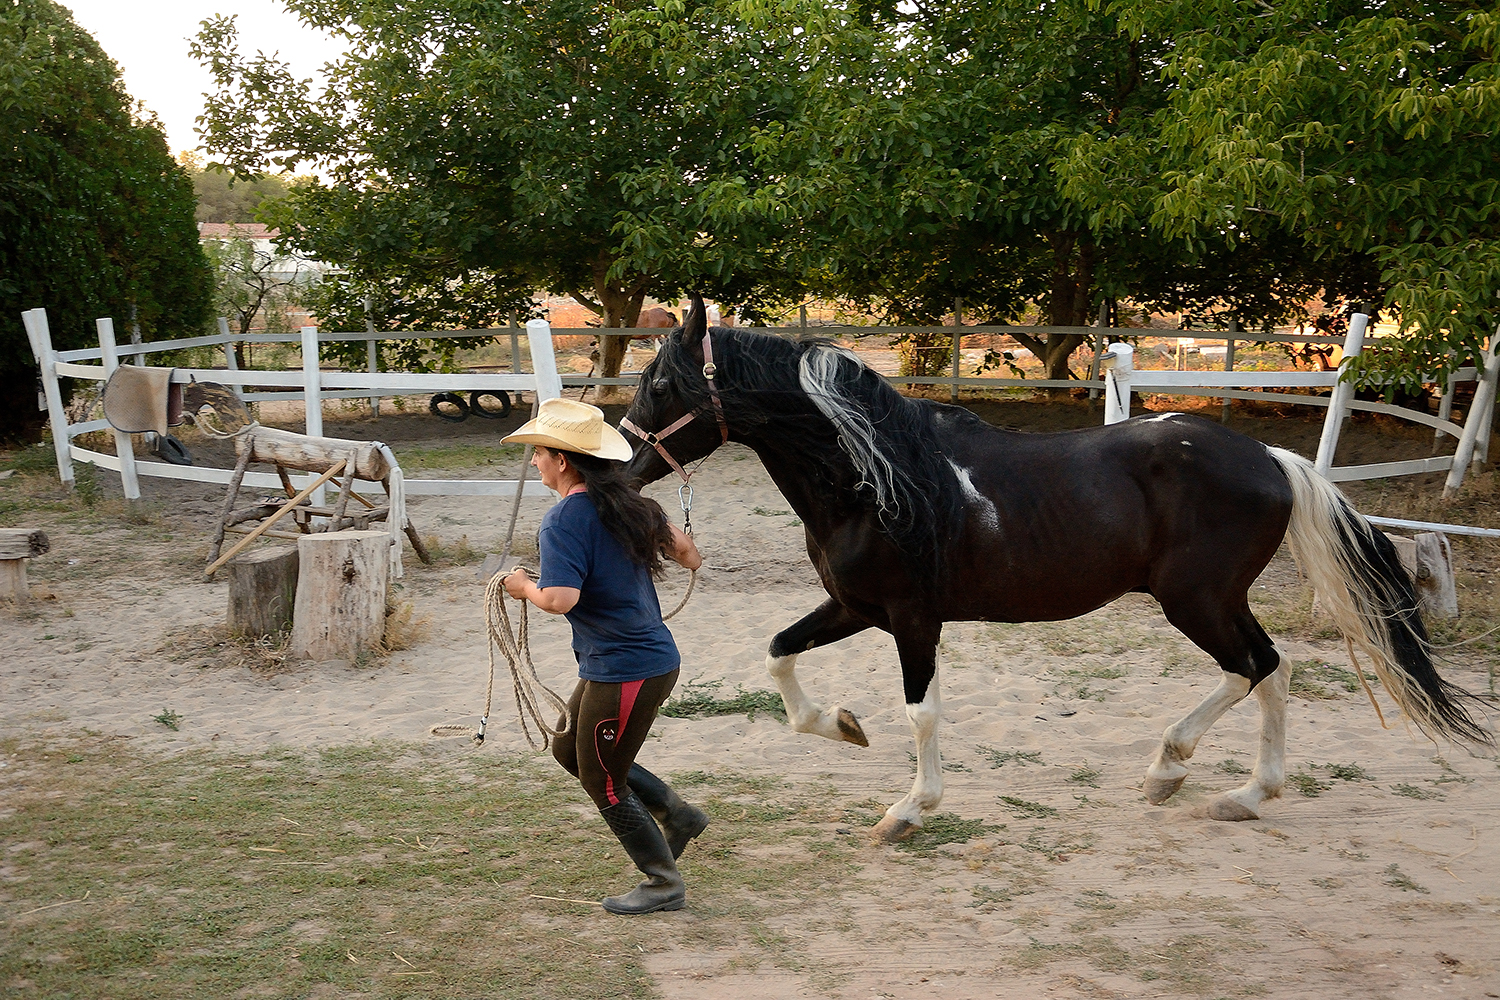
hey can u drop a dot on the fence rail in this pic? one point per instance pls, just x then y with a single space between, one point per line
1117 380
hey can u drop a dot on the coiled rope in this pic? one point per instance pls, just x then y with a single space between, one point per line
529 690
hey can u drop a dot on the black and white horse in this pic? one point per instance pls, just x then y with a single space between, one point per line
918 513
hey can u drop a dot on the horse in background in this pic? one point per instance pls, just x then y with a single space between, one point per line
918 513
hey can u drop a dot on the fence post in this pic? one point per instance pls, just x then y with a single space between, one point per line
1234 326
958 336
1445 406
124 448
1343 391
231 362
1099 336
1118 365
515 347
312 394
372 354
46 358
543 363
1477 420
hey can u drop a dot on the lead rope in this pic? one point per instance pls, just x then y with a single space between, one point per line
515 644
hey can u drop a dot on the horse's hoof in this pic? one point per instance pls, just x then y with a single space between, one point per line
850 730
1229 810
1159 790
891 830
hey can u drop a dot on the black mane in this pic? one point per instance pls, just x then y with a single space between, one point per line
760 378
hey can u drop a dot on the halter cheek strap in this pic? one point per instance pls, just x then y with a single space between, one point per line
655 439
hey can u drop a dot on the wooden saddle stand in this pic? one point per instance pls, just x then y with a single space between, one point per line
368 461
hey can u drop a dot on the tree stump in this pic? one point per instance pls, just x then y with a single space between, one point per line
16 546
262 591
1429 562
341 584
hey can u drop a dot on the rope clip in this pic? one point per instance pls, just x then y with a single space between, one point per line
685 497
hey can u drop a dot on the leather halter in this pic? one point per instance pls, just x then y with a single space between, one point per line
655 440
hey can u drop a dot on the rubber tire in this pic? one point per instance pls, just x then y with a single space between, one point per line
456 400
172 451
479 410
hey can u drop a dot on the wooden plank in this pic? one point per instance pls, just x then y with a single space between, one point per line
22 543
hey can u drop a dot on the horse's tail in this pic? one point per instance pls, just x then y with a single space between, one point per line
1361 584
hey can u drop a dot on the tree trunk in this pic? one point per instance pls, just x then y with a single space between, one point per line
1069 302
341 584
620 306
262 591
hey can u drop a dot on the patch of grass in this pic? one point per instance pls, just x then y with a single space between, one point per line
999 758
1310 680
1230 766
1026 809
461 455
459 553
700 700
211 874
1413 792
1086 775
1394 876
168 718
1346 772
944 828
1307 784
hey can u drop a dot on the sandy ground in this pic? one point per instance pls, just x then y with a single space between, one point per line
1386 886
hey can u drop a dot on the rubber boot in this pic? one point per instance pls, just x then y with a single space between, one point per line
637 832
679 821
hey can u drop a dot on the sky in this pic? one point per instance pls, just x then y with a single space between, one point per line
149 40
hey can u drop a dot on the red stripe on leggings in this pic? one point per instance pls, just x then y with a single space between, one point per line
629 691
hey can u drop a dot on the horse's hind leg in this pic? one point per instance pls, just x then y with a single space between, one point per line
1248 658
1269 776
829 623
1167 772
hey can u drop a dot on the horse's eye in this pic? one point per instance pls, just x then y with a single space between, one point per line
659 386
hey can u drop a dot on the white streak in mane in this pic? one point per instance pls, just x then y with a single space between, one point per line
818 371
982 506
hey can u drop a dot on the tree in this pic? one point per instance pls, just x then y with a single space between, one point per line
95 217
920 162
224 198
492 145
1353 130
251 284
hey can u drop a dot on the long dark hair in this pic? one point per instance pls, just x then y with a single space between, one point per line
638 523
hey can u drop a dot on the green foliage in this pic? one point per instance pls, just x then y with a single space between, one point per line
699 700
1352 129
95 217
224 198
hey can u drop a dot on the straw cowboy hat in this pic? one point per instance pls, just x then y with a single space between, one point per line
572 426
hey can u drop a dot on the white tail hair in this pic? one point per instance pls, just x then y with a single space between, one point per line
1364 591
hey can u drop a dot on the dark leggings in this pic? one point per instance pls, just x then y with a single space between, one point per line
611 722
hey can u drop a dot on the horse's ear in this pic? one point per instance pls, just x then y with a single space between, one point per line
695 323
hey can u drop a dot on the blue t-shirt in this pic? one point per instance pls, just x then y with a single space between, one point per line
618 634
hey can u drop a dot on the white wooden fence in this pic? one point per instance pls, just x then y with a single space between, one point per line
311 385
1118 378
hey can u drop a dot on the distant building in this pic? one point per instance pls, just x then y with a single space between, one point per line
292 267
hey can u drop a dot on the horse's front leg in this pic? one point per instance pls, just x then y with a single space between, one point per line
919 676
829 623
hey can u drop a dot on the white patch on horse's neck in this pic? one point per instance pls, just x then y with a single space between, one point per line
818 372
1160 416
976 501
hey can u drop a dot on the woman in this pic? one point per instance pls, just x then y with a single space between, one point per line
600 547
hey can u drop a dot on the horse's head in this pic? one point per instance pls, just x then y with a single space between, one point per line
676 410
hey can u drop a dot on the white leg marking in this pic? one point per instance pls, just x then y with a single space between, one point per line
1269 776
1166 773
804 714
927 790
